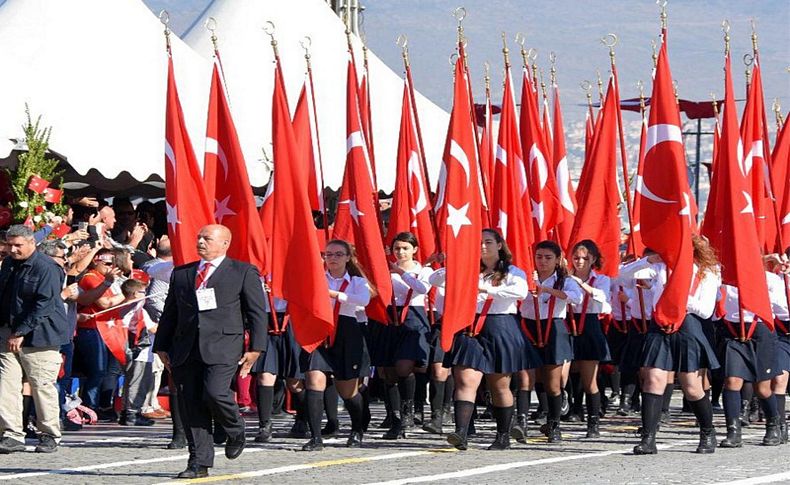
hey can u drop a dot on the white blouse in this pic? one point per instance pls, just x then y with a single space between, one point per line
505 296
617 285
599 298
416 280
571 289
356 294
776 289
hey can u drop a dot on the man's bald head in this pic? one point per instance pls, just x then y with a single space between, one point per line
213 241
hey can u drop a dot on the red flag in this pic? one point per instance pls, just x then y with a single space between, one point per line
234 205
548 143
754 134
780 161
37 184
711 223
304 128
267 216
508 204
598 193
365 117
53 196
664 196
411 200
295 247
183 183
564 186
738 246
113 332
636 237
487 160
459 213
357 212
545 203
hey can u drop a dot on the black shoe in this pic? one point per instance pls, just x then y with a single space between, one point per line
472 431
565 407
220 436
458 440
234 446
265 433
745 421
538 415
407 414
46 444
707 441
552 431
355 440
177 443
419 416
502 442
396 430
519 430
648 444
773 437
387 423
447 411
69 425
331 429
194 471
592 427
625 406
666 417
10 445
733 439
435 424
135 419
106 416
783 429
299 430
315 444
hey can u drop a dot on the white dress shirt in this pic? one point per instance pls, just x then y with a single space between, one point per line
356 294
505 296
571 289
417 280
776 289
214 265
599 298
617 285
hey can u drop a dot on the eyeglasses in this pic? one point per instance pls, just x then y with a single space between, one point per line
335 255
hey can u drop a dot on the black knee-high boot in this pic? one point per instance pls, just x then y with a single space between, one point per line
265 400
315 409
437 407
667 400
651 414
391 404
552 427
300 427
449 398
504 419
542 411
780 407
463 416
732 406
356 410
519 430
707 435
407 387
593 415
27 410
330 406
421 381
577 394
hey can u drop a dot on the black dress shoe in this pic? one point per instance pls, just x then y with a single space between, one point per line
315 444
265 433
194 471
458 440
355 440
177 443
299 429
234 446
331 429
220 436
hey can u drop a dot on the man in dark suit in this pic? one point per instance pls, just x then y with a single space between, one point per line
201 340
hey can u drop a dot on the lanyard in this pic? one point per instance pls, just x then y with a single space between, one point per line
576 331
336 313
480 319
544 333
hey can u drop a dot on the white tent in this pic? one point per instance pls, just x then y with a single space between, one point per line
247 59
96 71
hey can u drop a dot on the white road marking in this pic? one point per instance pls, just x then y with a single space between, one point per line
777 477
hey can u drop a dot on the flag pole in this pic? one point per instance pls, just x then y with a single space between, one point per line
610 40
164 18
306 42
369 120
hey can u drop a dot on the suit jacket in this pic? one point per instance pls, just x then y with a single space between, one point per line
220 332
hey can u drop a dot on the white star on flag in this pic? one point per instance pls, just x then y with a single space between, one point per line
222 209
503 223
353 209
457 218
749 209
172 216
538 212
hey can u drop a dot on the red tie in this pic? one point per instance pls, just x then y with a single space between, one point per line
202 275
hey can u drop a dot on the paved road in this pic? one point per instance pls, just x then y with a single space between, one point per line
111 454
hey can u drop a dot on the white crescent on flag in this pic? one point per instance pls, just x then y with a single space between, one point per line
660 133
543 168
458 153
756 151
645 191
170 155
563 182
415 171
212 146
749 209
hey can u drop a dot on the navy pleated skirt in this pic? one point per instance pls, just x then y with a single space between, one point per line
559 348
686 350
754 360
347 358
282 355
783 353
436 352
631 354
616 340
378 338
500 348
409 340
591 344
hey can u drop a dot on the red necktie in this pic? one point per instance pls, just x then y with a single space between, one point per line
202 275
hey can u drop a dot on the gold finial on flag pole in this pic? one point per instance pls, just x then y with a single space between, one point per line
600 85
164 17
305 43
748 60
675 89
543 85
725 27
715 104
553 70
655 52
663 5
532 54
460 14
642 105
754 37
778 113
610 40
505 51
487 76
520 40
211 26
268 28
587 87
403 42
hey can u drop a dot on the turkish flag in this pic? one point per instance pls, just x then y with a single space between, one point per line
548 143
37 184
637 244
306 132
183 183
226 178
114 332
487 160
509 202
598 194
411 200
757 161
458 214
357 210
780 161
53 196
738 247
366 117
712 222
545 202
295 249
564 185
665 198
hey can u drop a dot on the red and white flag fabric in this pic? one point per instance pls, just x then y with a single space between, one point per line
185 197
780 161
225 175
637 245
564 185
737 244
545 203
458 216
664 196
546 127
411 200
295 248
357 211
487 160
508 208
598 193
305 130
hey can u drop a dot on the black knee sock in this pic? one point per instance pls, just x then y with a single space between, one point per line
315 409
463 415
298 403
540 390
554 404
769 407
393 394
406 387
667 397
449 390
747 391
629 390
421 380
503 417
278 396
651 411
523 401
27 408
780 405
577 391
355 407
716 385
703 411
330 401
265 400
732 404
437 395
615 380
593 405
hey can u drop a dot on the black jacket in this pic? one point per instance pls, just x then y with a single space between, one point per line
37 309
220 332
